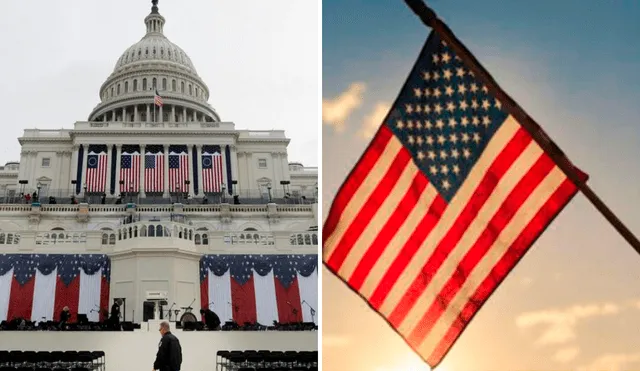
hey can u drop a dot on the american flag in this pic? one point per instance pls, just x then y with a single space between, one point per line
154 172
157 99
130 171
178 170
449 195
260 288
37 286
212 177
96 171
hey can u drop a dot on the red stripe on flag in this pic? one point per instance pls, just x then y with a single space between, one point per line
204 293
288 301
243 300
404 208
369 209
104 298
527 237
474 255
353 181
21 300
500 165
67 296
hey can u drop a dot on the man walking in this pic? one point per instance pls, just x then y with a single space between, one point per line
169 357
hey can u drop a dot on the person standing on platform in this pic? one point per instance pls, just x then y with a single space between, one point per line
114 318
169 356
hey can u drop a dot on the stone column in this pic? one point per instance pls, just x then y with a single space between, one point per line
124 114
142 165
73 169
234 167
184 114
160 117
249 167
148 113
136 118
199 162
34 169
107 186
84 167
117 159
223 156
275 156
242 180
165 172
190 170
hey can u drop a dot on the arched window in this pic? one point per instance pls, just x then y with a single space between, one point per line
182 87
126 86
135 85
190 89
152 231
197 239
154 85
205 239
173 85
158 231
118 90
112 92
164 84
144 84
197 92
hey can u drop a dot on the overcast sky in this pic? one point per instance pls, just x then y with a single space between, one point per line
259 59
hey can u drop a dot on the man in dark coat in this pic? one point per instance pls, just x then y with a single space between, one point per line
114 316
169 357
210 319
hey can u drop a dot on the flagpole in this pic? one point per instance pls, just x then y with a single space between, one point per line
430 19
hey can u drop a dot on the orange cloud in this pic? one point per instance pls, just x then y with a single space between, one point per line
336 111
374 119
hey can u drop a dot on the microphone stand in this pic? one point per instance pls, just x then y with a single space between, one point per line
311 310
169 310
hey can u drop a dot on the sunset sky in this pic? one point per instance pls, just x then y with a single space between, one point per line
573 303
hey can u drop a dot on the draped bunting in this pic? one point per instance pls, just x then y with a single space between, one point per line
260 288
38 286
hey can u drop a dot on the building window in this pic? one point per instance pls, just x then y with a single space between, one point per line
135 85
262 163
173 85
118 90
46 162
190 90
182 87
155 85
197 92
144 84
112 92
164 84
126 86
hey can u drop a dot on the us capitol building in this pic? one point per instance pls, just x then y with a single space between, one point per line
155 179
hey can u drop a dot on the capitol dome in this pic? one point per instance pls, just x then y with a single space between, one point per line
154 64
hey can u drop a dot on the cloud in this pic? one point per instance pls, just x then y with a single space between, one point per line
336 111
612 362
374 119
561 324
335 341
565 355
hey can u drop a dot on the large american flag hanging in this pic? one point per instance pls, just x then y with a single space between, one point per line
130 169
447 198
37 286
97 168
212 174
154 169
260 288
178 168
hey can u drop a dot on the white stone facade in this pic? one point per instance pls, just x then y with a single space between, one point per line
155 242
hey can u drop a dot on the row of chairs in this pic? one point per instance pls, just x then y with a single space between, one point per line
263 360
18 360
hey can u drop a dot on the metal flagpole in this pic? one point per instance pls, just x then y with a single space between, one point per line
154 105
429 18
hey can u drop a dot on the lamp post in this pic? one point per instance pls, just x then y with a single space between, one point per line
269 189
39 186
186 190
23 183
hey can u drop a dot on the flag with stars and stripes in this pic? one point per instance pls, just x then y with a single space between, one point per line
449 195
212 174
36 287
130 170
260 288
154 172
97 169
178 168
